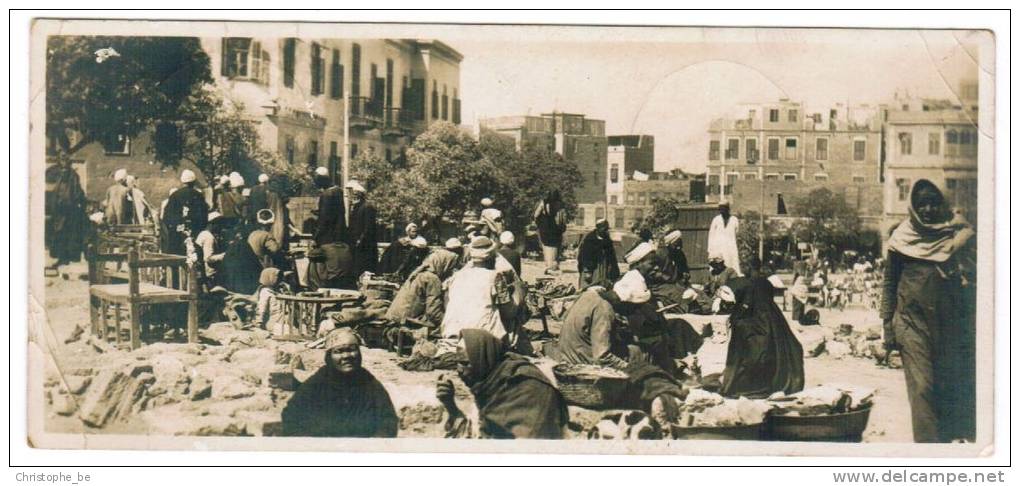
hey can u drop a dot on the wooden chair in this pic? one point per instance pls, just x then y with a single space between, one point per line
152 279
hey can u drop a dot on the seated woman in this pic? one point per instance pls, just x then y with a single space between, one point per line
396 254
514 399
269 311
422 298
764 356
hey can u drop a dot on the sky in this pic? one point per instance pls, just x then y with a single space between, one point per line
671 83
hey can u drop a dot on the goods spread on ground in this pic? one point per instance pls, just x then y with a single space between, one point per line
706 409
823 400
586 371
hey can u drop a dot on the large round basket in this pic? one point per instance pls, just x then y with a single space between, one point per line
589 391
733 432
839 427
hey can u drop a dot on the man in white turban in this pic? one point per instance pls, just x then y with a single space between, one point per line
481 293
722 237
116 198
187 214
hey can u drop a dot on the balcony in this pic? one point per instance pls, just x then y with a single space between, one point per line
397 123
366 113
732 154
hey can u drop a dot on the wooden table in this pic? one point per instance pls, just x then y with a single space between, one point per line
300 309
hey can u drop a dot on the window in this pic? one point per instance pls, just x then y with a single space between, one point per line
289 53
244 58
389 83
579 217
731 179
612 200
333 156
789 177
772 177
446 104
356 70
859 179
618 218
373 74
456 107
317 66
289 149
821 177
313 153
751 147
354 151
860 148
906 143
821 149
773 115
642 198
639 214
791 149
336 77
600 213
791 116
435 100
934 143
117 145
630 198
903 188
614 173
750 176
773 148
952 143
713 150
732 149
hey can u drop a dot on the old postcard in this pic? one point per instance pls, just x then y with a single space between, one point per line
593 239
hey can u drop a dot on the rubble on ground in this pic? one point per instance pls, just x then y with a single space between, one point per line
846 340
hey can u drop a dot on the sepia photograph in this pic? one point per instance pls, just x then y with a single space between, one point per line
588 239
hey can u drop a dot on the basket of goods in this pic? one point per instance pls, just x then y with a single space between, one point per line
378 286
590 386
709 416
830 413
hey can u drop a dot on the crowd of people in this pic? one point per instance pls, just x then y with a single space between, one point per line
467 299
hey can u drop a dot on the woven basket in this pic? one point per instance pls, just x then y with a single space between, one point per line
588 391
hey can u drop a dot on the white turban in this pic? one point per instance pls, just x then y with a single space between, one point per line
506 238
187 176
213 216
632 288
453 244
672 237
642 250
236 180
129 179
419 242
715 257
492 214
355 186
689 295
265 216
322 171
409 227
486 202
726 294
120 175
263 178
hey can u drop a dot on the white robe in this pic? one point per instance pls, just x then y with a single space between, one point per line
470 304
722 240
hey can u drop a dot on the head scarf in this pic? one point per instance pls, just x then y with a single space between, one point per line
672 237
263 178
934 242
506 238
339 336
482 248
187 175
640 251
631 288
484 351
120 175
420 242
409 227
269 277
265 216
453 244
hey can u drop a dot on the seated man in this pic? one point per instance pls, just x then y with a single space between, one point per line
515 400
482 294
719 274
341 399
421 297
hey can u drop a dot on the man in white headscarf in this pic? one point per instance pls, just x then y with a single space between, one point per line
116 195
480 292
186 214
722 237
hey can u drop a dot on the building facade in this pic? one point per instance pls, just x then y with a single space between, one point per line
575 137
295 88
932 140
780 142
627 154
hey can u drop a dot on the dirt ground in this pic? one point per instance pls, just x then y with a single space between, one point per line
67 307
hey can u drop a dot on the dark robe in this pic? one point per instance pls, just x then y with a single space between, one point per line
763 356
361 236
515 400
401 258
66 221
186 214
329 404
240 268
332 267
258 199
513 256
597 258
551 223
330 224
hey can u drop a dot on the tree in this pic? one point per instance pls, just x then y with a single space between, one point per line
829 220
102 88
383 181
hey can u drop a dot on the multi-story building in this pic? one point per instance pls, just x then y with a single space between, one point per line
935 140
575 137
779 141
294 89
627 154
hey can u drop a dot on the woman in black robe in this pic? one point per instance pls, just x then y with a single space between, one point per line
515 400
342 399
764 356
66 221
241 268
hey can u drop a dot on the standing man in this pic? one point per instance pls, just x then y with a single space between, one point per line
264 197
361 234
115 196
551 221
186 216
596 259
66 222
331 223
722 237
